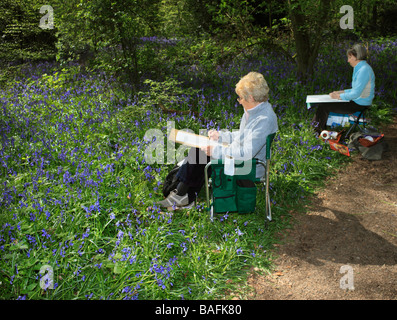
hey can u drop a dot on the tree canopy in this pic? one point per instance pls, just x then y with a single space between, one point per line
123 36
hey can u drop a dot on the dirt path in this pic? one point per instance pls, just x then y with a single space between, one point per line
351 223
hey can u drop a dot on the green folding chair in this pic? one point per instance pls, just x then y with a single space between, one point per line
237 193
265 178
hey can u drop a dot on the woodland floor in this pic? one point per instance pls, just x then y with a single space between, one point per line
352 222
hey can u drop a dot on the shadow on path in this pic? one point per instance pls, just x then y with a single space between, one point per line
342 239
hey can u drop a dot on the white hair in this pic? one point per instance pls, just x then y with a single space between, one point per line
255 85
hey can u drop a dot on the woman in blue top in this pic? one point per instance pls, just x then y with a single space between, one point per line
359 97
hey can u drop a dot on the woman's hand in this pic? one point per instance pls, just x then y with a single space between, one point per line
207 150
335 95
213 135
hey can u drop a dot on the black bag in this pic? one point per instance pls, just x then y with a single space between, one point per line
372 151
171 181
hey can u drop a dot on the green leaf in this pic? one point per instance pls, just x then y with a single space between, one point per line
117 268
30 287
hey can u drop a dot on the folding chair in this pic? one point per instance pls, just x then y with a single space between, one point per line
356 123
237 193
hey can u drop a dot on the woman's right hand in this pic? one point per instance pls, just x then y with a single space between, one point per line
213 135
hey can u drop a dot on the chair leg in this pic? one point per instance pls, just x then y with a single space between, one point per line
207 192
267 198
356 123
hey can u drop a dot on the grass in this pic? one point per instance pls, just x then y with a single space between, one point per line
77 195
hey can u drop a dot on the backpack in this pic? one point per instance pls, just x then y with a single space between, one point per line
171 181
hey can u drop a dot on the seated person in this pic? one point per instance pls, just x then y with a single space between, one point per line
257 122
359 97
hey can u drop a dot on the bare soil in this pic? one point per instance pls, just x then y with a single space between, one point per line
352 222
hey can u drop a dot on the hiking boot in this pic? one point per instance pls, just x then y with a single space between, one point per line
174 199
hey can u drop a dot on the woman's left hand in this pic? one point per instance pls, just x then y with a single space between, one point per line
207 150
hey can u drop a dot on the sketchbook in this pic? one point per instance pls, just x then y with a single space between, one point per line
191 139
321 98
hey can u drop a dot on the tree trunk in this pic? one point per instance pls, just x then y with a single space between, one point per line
302 43
307 42
375 15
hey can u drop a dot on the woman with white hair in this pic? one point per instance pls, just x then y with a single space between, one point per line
359 97
257 122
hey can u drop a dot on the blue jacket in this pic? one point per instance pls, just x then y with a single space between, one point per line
250 140
363 85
